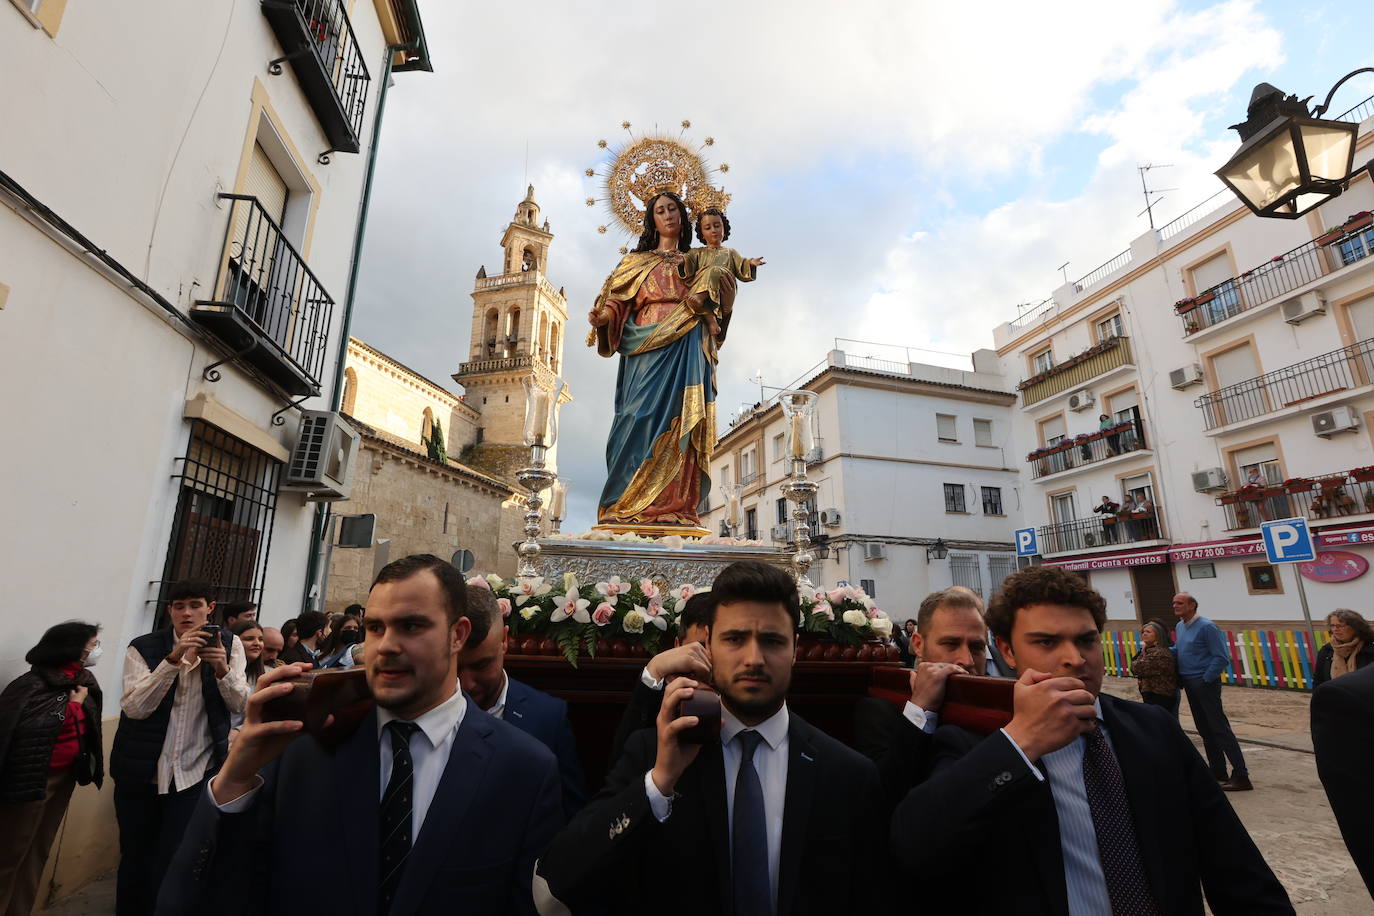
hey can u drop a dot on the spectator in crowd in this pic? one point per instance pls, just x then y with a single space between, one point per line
1126 518
447 808
288 634
1201 655
336 651
950 638
1351 646
49 743
482 675
1107 805
272 644
355 610
1109 510
1154 667
235 611
1148 526
1105 422
1342 709
182 685
310 626
250 633
716 810
688 658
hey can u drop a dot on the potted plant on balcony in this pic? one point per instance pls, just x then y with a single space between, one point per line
1205 297
1357 221
1331 235
1364 474
1227 499
1184 306
1189 325
1297 485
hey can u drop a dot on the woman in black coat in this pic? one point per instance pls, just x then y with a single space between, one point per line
49 742
1351 646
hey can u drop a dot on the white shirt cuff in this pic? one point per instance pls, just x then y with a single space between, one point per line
235 805
1038 775
660 804
925 721
648 680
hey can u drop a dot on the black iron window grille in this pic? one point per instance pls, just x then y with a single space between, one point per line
1330 373
964 570
1065 453
318 39
992 501
954 498
999 567
1122 527
226 505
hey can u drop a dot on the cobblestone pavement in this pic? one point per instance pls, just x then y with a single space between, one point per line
1287 814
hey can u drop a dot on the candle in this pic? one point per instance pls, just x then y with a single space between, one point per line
798 436
732 510
558 501
537 417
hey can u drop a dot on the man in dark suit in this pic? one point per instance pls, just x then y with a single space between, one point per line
687 659
1103 805
482 675
309 635
435 806
950 638
1342 712
773 816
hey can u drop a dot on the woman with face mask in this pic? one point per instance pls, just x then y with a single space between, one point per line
49 742
336 651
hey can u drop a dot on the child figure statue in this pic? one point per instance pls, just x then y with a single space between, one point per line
707 267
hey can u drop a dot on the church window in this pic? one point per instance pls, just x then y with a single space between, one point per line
426 425
553 348
350 391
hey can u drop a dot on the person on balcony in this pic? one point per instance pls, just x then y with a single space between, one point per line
1109 509
1149 523
1104 423
1127 517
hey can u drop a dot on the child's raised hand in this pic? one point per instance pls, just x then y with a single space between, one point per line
757 262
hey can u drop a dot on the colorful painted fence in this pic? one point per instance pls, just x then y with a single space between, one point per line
1259 658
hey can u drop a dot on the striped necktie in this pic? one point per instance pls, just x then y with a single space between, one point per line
395 814
1117 848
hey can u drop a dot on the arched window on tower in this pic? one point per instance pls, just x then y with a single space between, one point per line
492 330
528 260
541 340
427 425
512 330
350 392
553 347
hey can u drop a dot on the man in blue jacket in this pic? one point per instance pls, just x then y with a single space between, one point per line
1202 656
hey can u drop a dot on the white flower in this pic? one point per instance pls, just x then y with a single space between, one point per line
866 601
654 614
856 618
495 581
806 593
529 612
683 592
612 590
649 589
570 605
479 582
672 542
570 585
634 621
525 590
824 609
882 626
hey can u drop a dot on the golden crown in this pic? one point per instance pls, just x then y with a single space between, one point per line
645 166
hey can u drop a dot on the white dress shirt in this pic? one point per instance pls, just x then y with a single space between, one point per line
1083 877
770 762
923 719
430 748
187 746
499 709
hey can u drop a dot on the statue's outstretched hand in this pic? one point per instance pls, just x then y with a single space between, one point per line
757 262
600 317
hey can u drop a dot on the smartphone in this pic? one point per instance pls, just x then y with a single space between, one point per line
211 630
316 696
704 703
980 704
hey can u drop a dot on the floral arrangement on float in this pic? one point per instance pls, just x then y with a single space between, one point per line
671 541
844 624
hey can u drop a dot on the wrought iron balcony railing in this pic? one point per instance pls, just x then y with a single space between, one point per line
1098 446
1077 370
1087 533
318 41
1327 496
268 306
1340 370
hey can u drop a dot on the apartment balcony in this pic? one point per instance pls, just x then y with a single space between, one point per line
1108 531
1331 497
1278 278
318 41
1088 449
268 306
1312 382
1097 360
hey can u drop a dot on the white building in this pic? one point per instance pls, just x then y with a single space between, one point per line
1263 372
181 188
907 455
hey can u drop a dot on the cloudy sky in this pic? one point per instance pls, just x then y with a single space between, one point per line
911 171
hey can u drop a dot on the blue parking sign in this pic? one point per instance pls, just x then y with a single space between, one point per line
1288 540
1025 542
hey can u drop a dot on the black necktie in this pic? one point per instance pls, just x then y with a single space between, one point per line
395 814
749 835
1117 848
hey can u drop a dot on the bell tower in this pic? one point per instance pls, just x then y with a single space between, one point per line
518 326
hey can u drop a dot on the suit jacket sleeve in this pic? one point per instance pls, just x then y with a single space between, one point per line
569 767
1344 749
541 825
589 855
641 712
900 750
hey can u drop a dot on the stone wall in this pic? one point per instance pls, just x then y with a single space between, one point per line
387 396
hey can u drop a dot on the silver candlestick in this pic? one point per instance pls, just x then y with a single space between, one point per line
535 478
802 492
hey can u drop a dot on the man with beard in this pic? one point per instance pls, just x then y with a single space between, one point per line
447 807
773 816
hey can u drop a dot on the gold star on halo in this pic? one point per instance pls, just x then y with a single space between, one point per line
590 172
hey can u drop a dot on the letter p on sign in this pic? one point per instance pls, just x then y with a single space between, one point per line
1025 542
1288 540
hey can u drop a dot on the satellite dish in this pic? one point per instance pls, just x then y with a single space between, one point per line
463 561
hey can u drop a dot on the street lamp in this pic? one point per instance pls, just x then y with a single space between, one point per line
937 551
1290 161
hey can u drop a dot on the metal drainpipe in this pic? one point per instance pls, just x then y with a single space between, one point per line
312 571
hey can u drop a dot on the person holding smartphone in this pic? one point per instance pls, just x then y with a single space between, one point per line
181 687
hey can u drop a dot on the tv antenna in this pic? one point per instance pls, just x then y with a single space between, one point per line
1150 199
1064 270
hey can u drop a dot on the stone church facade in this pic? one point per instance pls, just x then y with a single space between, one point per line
465 497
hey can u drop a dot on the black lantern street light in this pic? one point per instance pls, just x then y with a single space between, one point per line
937 551
1290 160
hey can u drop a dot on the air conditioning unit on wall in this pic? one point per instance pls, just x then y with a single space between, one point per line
1208 480
1300 308
782 533
874 551
321 464
830 518
1081 400
1185 376
1337 420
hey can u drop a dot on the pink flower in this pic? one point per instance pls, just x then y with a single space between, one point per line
823 608
480 582
837 595
649 589
504 605
603 614
685 591
654 614
873 612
